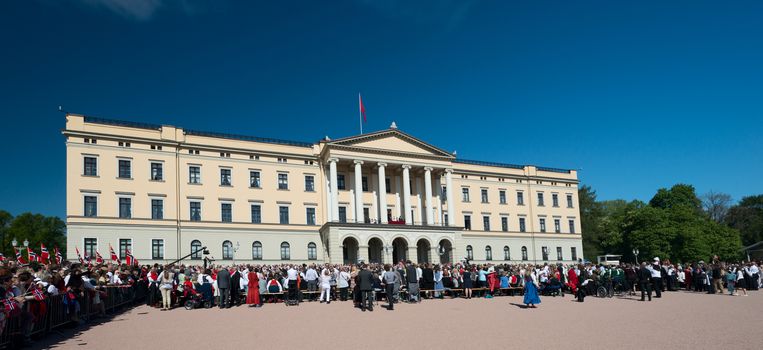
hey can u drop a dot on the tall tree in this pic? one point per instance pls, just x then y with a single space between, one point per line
680 195
747 217
590 221
37 229
716 205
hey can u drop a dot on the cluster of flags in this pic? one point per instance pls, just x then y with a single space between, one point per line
44 256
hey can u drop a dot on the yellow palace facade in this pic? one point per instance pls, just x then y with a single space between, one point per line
164 192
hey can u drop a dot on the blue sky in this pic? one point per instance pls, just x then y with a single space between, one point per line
639 95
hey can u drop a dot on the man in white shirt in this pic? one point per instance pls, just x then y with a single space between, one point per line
312 281
656 271
291 276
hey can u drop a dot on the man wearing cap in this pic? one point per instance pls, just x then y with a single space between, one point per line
656 271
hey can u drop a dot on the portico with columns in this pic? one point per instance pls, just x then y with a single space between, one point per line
388 178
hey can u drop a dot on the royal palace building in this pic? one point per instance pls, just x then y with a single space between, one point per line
163 192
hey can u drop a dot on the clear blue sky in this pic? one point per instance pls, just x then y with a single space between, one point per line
639 95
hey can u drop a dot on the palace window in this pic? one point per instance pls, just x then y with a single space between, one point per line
194 174
555 200
488 253
467 222
256 250
506 253
502 197
125 169
283 215
465 194
544 252
540 199
157 209
254 179
364 183
283 181
557 226
91 206
542 225
256 214
225 177
387 185
312 251
469 253
195 211
342 214
226 212
157 249
91 166
285 251
125 244
156 172
125 208
486 223
91 245
309 183
524 253
522 227
520 198
310 213
340 184
559 253
227 250
572 226
574 253
569 201
484 195
504 224
196 251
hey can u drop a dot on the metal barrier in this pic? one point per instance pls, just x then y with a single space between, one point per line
57 312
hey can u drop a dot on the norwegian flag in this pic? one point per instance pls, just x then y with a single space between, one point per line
79 256
2 257
114 256
44 255
38 295
59 256
9 305
31 254
129 259
19 258
98 258
87 259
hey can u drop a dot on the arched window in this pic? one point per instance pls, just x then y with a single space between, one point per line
285 251
227 250
469 253
488 253
256 250
196 249
524 253
312 251
506 253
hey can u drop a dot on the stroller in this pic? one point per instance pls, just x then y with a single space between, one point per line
195 299
552 288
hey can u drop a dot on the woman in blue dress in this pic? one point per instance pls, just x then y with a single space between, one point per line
531 289
467 283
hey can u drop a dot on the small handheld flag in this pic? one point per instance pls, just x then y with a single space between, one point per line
59 257
44 255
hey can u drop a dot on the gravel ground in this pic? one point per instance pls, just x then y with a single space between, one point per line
679 320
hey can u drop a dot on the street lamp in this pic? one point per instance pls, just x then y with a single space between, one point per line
15 243
635 253
235 249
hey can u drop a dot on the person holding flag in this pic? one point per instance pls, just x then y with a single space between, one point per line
98 258
79 257
31 255
59 256
19 258
114 257
44 255
129 259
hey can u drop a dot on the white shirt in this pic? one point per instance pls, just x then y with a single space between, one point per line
344 280
311 275
292 274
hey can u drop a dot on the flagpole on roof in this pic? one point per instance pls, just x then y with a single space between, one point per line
360 112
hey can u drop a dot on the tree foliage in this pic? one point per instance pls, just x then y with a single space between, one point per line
747 217
35 228
672 226
716 205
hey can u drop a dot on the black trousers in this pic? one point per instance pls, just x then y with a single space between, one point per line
657 287
646 288
293 290
390 289
224 296
343 293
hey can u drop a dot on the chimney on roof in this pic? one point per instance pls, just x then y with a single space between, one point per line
393 125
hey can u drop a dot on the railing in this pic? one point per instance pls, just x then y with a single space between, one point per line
52 313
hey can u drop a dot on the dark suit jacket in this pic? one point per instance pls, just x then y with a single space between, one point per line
365 280
411 275
223 279
235 281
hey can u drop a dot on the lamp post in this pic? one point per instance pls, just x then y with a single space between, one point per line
635 253
15 243
235 249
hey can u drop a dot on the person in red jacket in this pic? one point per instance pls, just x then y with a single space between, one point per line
253 292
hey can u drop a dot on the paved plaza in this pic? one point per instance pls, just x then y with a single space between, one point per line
679 320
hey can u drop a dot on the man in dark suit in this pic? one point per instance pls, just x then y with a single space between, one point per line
223 284
412 278
366 286
235 288
644 279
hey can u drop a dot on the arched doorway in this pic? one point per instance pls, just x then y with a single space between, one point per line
375 247
350 250
399 249
422 251
445 249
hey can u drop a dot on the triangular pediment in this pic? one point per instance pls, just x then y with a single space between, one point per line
391 140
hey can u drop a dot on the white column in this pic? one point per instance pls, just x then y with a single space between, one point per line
398 204
407 195
449 195
334 198
428 193
358 192
382 194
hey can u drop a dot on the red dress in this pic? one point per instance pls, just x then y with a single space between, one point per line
253 294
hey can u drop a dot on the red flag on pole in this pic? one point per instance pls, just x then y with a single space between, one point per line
59 257
114 256
98 258
19 258
362 108
31 254
79 256
44 255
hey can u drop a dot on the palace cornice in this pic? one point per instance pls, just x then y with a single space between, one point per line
457 171
329 147
392 227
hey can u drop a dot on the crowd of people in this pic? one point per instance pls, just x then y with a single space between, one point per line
25 287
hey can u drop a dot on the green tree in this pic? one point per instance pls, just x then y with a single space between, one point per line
590 221
747 217
678 195
5 223
37 228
